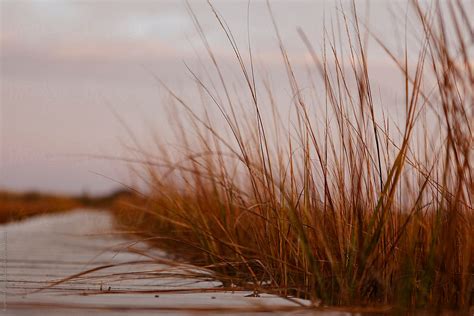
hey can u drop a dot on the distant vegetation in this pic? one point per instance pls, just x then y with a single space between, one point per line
17 206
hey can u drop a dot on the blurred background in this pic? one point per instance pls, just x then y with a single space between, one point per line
72 71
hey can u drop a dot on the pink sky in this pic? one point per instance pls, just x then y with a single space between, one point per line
65 64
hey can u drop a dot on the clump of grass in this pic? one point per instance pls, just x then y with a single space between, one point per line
333 206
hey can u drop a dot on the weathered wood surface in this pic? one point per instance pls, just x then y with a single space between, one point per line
42 250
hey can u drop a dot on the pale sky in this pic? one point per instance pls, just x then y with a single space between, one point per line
66 64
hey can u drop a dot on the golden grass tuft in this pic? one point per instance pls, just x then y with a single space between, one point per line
352 207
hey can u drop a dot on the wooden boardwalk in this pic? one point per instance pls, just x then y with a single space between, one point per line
42 250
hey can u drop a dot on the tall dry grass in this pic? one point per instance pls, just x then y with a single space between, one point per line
350 207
